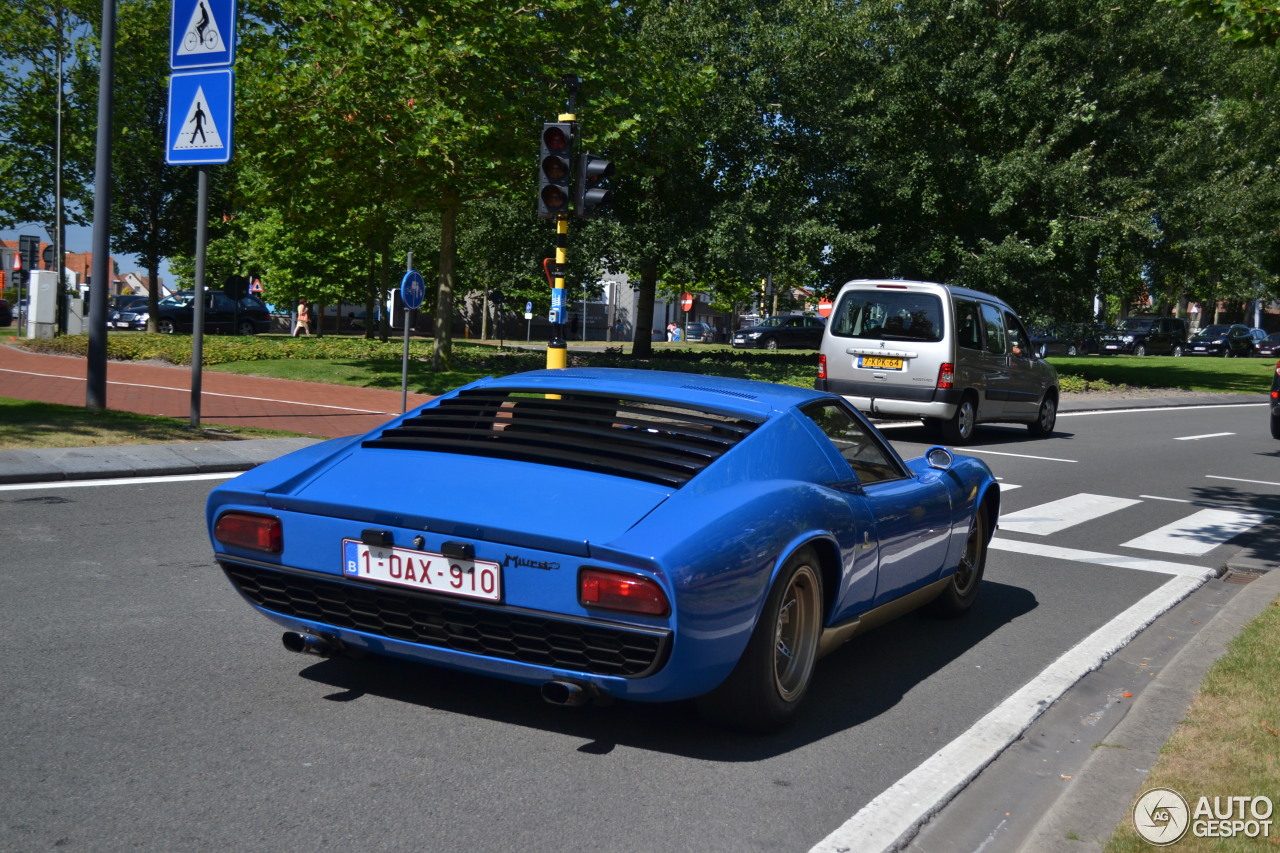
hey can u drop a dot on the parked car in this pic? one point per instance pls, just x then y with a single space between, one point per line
1275 403
246 316
700 333
951 356
1226 341
1064 339
785 331
1146 336
1257 336
6 313
122 312
709 538
1268 346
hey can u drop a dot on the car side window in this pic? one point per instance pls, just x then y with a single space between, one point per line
968 325
222 302
870 460
993 322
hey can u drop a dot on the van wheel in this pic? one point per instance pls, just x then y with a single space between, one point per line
1046 417
959 429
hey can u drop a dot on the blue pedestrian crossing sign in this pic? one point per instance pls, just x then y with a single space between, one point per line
200 117
202 34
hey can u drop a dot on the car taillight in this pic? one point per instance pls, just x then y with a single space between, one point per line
250 530
822 367
621 591
946 375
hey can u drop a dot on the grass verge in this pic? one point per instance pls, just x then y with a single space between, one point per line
27 424
1228 745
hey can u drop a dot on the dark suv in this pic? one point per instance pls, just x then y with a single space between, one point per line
1146 336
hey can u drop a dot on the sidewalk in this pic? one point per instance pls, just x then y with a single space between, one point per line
308 408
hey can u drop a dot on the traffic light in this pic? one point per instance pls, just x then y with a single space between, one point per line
592 170
554 169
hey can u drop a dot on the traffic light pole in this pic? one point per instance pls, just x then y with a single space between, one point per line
557 347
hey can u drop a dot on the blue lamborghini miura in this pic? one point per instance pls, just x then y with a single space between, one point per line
636 534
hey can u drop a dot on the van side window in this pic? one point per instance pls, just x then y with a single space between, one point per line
1019 340
968 325
993 321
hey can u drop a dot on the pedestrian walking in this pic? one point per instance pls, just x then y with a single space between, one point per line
304 318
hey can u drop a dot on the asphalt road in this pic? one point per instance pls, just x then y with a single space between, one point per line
147 707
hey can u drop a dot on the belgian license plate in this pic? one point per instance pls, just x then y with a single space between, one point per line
422 570
880 361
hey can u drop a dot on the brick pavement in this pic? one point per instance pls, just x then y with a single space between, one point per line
307 408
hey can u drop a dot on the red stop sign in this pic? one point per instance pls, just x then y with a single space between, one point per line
686 301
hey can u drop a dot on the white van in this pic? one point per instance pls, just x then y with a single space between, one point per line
952 356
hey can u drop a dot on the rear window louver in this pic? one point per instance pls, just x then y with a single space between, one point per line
660 443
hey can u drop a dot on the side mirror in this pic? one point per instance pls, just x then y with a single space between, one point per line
939 457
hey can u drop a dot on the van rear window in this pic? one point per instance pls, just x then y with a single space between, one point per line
888 315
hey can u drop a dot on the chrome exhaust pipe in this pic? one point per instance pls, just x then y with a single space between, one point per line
311 644
566 694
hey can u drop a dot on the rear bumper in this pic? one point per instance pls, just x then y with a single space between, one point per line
874 399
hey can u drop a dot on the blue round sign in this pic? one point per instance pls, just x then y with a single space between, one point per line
412 289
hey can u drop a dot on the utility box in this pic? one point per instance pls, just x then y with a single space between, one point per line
77 313
42 304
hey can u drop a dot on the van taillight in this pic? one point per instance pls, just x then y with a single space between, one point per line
946 375
250 530
822 367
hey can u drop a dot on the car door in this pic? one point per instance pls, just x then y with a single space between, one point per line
993 377
220 312
903 521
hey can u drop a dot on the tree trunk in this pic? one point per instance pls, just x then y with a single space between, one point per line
642 344
442 353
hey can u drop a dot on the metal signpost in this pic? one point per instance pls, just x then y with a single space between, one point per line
412 291
201 110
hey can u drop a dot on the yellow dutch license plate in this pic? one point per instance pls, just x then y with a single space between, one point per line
880 361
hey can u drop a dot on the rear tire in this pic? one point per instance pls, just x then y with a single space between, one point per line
959 429
247 327
962 589
773 674
1275 426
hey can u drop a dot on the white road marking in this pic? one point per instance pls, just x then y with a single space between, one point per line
121 481
1210 504
969 450
1119 561
894 816
1058 515
1160 409
1241 480
1198 533
1206 435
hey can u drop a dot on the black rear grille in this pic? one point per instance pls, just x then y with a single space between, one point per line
450 624
659 443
